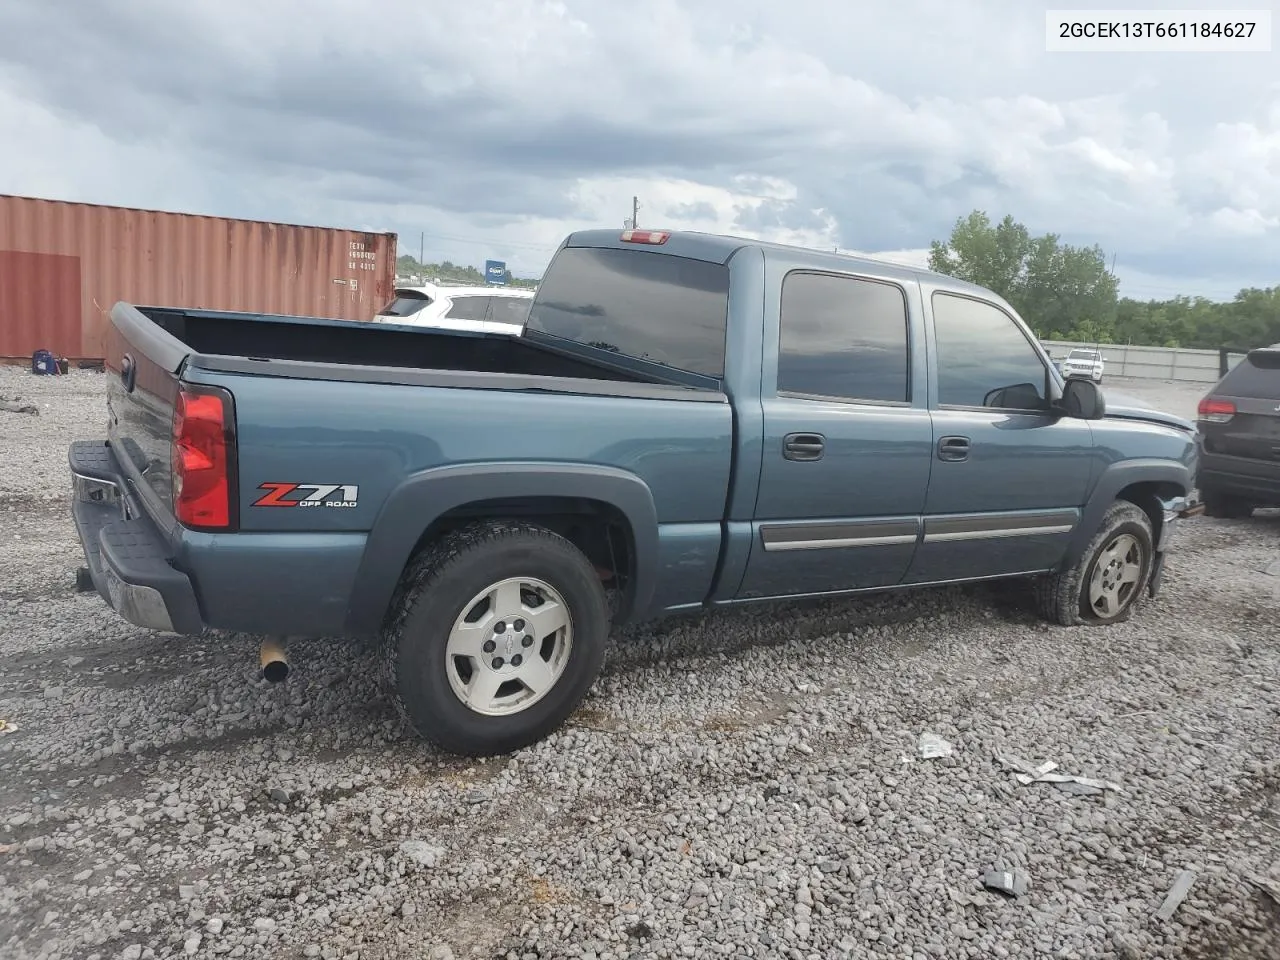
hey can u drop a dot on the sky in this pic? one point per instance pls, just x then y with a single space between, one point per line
496 128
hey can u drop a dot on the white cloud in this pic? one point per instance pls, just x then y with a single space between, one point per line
498 127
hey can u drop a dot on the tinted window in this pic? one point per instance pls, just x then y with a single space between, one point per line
842 337
468 308
1254 378
405 305
514 310
651 306
981 351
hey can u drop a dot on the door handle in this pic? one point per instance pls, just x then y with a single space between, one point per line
953 449
803 446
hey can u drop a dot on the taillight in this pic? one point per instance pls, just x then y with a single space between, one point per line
203 458
1216 411
645 236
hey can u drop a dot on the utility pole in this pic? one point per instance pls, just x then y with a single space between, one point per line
422 253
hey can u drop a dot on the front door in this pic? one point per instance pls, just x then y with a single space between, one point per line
1009 476
847 436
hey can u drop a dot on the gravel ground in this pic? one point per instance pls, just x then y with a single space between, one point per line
744 785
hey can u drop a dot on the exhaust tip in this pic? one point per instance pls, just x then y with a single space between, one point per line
273 661
275 671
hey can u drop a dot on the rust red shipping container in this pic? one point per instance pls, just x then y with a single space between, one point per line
63 265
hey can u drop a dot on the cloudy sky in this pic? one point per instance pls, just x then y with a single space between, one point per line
498 127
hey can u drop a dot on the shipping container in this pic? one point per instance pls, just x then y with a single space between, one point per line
64 265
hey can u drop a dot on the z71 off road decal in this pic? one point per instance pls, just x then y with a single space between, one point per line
308 495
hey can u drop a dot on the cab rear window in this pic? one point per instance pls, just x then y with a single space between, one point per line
651 306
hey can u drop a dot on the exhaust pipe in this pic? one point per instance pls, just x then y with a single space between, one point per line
274 661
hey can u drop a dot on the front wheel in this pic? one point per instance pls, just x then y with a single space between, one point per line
1105 584
497 632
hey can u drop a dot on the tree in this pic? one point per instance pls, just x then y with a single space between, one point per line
1058 289
1067 293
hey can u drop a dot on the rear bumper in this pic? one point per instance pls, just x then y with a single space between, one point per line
127 556
1257 480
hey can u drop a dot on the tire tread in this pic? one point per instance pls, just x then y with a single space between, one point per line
1057 594
421 575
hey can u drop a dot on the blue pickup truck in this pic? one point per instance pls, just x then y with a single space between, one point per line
689 421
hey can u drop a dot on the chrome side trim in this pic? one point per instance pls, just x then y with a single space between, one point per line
998 534
827 535
999 526
840 542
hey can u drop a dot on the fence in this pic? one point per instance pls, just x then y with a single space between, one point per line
1154 363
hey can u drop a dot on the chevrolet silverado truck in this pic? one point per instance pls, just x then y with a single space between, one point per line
689 422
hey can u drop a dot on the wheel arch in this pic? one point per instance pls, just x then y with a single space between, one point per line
586 503
1148 484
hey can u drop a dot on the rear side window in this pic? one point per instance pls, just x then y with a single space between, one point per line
405 305
984 358
513 310
1254 378
843 337
651 306
468 308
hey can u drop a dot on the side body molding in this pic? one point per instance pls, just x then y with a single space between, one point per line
1113 480
424 497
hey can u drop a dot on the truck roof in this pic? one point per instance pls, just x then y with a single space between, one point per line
718 248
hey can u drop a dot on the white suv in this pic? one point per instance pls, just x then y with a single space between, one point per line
490 309
1083 363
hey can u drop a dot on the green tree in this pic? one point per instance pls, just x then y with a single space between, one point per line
1058 289
1067 293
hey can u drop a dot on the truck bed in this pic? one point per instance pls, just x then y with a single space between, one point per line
312 340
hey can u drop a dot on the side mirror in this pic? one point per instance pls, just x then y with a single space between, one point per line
1018 396
1082 399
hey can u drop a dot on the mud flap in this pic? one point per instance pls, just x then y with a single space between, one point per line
1157 575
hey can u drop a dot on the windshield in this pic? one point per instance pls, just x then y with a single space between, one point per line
650 306
1083 355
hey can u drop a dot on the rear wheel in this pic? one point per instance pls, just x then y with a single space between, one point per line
497 633
1107 581
1224 506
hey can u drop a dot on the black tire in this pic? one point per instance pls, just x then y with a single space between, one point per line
433 592
1224 506
1063 597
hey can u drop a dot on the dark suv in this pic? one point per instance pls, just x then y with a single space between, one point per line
1239 437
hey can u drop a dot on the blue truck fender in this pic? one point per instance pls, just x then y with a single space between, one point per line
424 497
1170 481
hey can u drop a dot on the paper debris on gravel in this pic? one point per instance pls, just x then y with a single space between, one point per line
1177 893
1081 786
7 726
933 746
1013 882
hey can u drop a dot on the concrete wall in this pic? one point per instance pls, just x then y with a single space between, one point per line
1151 363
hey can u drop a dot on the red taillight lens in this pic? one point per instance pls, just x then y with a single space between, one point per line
1216 411
645 236
202 451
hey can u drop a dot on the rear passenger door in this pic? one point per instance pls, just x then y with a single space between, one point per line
847 435
1009 475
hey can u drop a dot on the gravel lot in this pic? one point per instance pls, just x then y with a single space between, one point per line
740 785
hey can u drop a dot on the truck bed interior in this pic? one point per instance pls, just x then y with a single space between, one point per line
326 341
